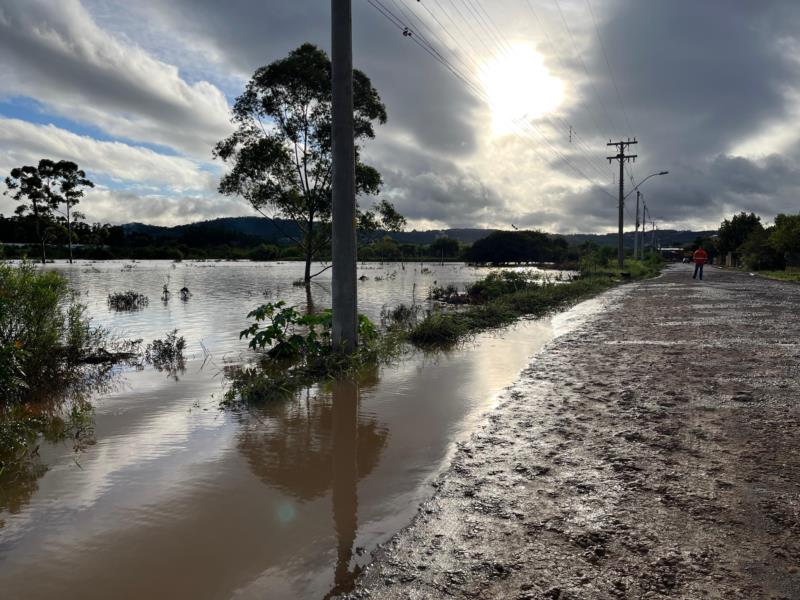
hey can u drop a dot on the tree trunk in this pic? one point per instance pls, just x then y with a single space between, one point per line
69 234
41 237
309 239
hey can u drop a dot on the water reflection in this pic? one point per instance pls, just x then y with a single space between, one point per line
318 444
345 479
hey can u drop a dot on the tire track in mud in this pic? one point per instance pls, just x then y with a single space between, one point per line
651 452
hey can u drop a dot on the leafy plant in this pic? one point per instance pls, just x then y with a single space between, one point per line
289 334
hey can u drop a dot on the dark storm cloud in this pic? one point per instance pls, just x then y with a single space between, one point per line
421 96
432 194
696 79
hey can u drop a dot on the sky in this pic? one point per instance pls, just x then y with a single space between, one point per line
510 131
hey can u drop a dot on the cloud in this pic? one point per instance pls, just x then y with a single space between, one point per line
25 143
710 89
421 96
56 53
121 206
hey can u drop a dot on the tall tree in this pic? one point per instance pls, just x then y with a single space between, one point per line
71 182
31 187
734 232
280 153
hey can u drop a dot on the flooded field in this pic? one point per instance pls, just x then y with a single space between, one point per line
178 498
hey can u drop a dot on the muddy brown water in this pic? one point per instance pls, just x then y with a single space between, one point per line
179 499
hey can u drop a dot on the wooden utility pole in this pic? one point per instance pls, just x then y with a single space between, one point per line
621 157
343 246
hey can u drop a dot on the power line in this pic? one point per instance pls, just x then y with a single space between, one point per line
583 64
407 31
554 53
486 24
610 70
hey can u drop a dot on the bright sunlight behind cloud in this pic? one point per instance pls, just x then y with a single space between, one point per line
519 88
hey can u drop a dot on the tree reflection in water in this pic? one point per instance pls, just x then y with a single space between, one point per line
315 444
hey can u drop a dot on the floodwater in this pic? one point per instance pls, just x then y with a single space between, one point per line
179 499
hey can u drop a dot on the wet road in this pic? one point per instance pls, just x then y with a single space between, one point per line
652 452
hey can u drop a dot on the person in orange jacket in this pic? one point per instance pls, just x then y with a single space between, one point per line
700 257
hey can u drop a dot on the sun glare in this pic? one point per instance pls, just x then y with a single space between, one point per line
519 87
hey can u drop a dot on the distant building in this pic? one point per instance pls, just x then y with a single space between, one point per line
672 254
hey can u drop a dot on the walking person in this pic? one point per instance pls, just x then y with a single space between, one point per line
700 257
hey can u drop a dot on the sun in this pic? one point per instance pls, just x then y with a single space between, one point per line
519 88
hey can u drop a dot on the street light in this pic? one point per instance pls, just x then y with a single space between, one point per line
636 187
636 244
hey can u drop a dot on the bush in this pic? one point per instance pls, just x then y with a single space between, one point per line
499 283
33 325
167 354
44 333
129 300
438 330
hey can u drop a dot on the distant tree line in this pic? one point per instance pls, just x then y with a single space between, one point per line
774 247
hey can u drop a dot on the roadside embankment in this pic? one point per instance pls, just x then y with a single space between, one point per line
650 453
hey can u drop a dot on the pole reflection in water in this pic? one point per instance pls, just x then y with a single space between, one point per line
345 479
318 444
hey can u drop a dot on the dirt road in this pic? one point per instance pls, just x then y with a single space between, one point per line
654 452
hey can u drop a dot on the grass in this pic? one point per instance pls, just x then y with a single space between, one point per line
502 298
793 276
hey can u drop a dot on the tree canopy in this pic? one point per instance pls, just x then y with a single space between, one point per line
43 188
502 247
734 232
280 153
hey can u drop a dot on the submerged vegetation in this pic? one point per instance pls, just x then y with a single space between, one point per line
129 300
296 349
297 352
166 354
49 354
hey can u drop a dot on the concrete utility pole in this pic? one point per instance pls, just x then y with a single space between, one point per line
644 228
621 157
343 246
653 240
636 231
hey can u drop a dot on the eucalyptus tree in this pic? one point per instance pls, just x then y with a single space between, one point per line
71 182
30 186
280 153
43 188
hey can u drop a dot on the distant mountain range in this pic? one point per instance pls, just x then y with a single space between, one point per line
279 231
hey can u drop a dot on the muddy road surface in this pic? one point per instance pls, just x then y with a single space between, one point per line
652 453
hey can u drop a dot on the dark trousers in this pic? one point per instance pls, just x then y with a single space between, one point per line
698 268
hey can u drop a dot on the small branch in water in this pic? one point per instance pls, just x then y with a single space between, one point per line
321 272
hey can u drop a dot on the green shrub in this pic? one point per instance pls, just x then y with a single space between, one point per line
33 324
499 283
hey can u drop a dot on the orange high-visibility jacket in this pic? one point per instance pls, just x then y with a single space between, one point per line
700 256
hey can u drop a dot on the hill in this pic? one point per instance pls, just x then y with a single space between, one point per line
244 229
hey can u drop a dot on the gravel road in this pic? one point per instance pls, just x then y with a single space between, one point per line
654 452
